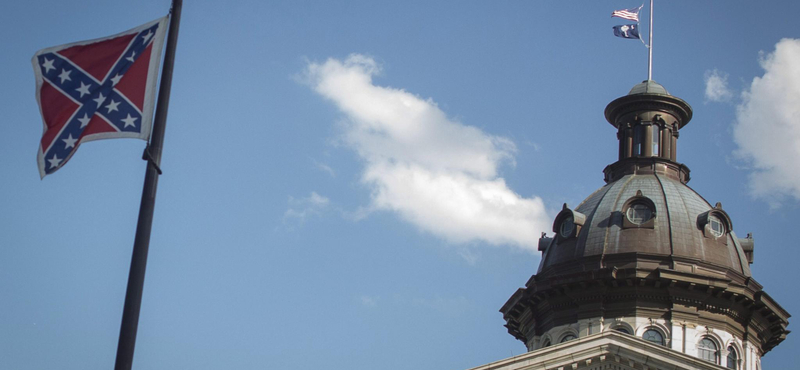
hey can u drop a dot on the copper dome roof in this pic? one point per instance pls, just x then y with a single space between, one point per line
648 87
683 231
676 238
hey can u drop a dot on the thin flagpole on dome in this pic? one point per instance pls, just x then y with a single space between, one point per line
650 47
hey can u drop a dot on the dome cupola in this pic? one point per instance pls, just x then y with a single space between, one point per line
648 120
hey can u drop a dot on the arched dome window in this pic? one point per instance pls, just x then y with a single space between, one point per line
733 359
653 336
622 327
708 350
568 338
622 330
546 343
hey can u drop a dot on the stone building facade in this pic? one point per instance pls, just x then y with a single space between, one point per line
644 273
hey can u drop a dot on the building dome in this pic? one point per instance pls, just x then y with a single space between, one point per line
646 216
646 221
648 256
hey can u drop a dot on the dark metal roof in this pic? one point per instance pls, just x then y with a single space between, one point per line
676 240
648 87
649 96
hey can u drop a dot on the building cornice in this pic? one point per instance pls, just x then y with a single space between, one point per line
732 303
610 347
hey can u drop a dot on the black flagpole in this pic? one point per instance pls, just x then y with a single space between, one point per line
133 295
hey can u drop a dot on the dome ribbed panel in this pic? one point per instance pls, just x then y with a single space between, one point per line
566 251
600 222
590 208
652 241
687 239
742 260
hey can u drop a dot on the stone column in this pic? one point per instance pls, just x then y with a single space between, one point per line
665 147
628 141
647 140
673 144
678 333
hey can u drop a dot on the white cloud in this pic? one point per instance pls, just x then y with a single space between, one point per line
767 129
436 173
470 257
302 208
717 86
325 168
369 301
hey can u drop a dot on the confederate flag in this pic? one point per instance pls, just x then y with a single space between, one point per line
97 89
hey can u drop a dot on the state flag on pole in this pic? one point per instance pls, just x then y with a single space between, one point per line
630 14
627 31
96 89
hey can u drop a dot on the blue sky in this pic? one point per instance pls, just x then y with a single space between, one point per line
357 183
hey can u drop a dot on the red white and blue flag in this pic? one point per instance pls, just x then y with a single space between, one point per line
97 89
629 14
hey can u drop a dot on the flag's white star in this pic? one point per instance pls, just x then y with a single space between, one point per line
85 120
130 58
64 76
112 106
55 161
48 65
99 100
116 79
129 121
70 142
147 36
84 89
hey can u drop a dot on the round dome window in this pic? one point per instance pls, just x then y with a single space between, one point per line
567 227
639 213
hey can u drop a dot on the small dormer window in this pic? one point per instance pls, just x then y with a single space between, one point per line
715 223
716 226
568 223
567 227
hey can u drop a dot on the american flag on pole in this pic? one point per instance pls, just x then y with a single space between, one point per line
96 89
630 14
